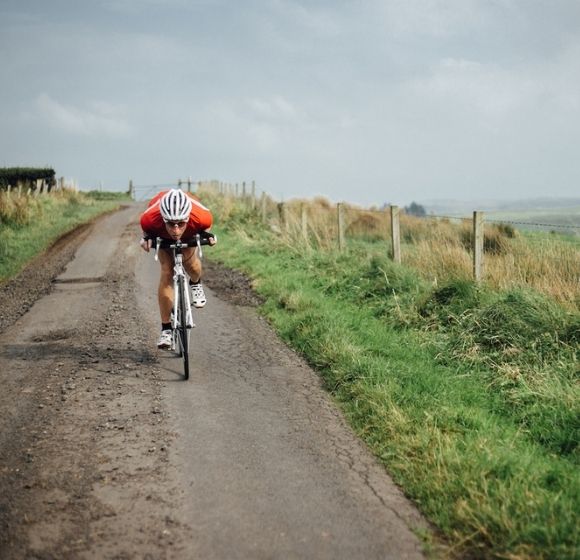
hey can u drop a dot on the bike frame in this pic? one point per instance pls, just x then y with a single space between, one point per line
179 273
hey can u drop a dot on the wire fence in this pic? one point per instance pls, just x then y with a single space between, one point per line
500 252
487 249
526 225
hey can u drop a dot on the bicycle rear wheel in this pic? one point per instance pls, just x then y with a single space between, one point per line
183 331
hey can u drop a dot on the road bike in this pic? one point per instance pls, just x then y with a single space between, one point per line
181 315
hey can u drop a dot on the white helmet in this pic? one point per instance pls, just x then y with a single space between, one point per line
175 206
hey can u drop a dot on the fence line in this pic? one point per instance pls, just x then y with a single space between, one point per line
330 223
477 237
489 220
242 190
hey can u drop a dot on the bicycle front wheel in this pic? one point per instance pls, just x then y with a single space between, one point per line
183 331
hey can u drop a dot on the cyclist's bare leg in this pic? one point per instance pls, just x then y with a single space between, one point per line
165 290
192 264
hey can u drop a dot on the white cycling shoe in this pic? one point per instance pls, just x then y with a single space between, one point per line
198 298
165 340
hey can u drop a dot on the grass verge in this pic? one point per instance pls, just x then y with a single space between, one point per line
30 224
470 398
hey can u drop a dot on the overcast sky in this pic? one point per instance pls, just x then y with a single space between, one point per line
366 101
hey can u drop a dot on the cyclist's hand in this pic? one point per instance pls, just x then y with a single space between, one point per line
146 244
211 238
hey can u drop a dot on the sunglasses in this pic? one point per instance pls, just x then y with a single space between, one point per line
175 224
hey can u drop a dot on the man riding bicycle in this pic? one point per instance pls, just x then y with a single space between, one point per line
175 215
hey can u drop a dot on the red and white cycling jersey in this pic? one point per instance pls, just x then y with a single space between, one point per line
152 223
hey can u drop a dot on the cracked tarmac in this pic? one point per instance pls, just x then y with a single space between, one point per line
105 452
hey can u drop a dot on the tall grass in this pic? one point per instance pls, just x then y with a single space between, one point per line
18 210
441 249
31 223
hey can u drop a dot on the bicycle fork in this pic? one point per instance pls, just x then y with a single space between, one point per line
176 301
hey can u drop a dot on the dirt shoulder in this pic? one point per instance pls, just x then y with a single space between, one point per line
19 294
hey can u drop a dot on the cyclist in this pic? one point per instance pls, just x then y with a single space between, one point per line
174 214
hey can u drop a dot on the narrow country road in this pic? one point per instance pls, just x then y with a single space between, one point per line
105 452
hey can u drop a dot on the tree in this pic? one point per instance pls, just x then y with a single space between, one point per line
415 209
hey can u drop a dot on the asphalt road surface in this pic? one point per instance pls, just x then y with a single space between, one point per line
106 452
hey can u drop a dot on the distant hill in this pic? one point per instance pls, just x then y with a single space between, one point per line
466 207
548 214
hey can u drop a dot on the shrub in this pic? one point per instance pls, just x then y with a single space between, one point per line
507 230
495 239
367 226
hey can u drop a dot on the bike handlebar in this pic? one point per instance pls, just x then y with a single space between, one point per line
198 240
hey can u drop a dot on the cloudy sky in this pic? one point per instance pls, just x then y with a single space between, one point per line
367 101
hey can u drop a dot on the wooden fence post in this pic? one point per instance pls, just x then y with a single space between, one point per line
396 234
131 189
253 202
283 212
340 218
263 207
478 238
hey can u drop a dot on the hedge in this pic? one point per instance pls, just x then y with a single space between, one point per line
28 176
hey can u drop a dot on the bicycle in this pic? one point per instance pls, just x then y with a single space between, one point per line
181 316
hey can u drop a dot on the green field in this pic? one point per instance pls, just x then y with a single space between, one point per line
559 219
565 221
469 396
